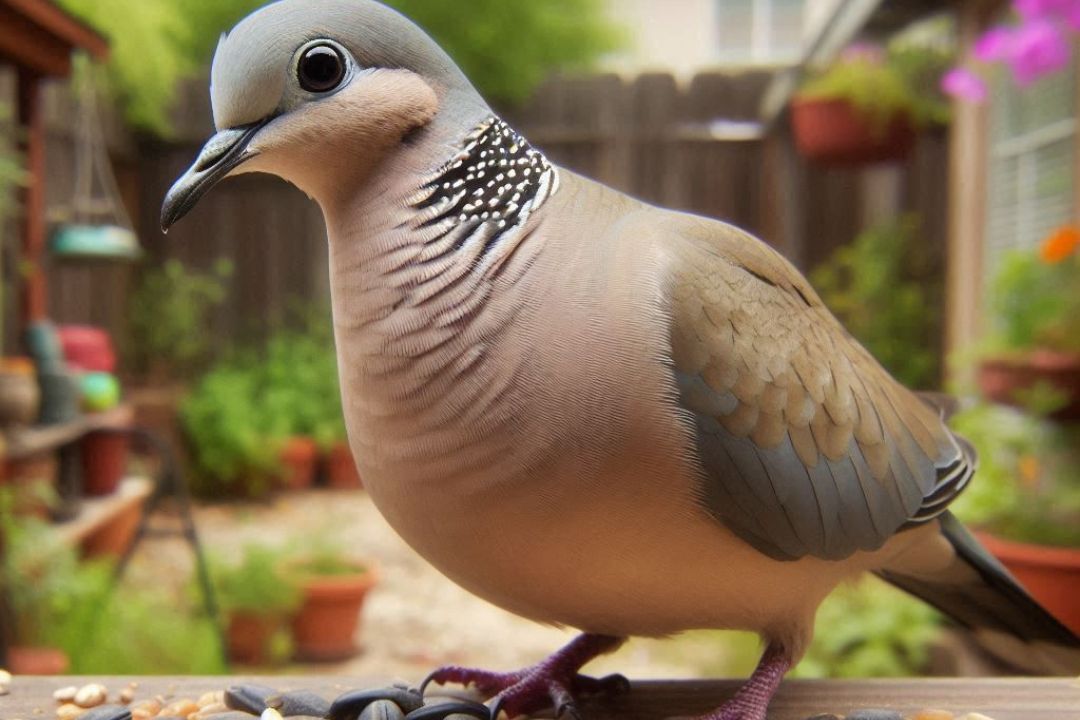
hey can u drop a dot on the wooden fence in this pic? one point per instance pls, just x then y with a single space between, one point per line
684 147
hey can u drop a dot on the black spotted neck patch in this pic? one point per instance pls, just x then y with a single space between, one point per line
496 181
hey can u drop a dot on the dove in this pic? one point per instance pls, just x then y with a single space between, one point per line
590 411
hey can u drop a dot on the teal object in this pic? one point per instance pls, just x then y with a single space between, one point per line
100 391
103 242
44 346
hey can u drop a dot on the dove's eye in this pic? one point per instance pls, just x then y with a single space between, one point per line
321 68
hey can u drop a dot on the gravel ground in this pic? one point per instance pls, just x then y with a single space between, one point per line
416 619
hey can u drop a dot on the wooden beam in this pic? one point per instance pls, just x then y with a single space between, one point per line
968 168
32 120
29 46
59 24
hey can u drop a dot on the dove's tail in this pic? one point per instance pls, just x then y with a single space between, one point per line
974 589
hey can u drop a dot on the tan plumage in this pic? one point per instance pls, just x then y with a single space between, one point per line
587 410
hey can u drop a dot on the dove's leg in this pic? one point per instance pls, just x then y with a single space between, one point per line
551 682
752 700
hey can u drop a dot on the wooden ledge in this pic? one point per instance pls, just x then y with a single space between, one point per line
1000 699
96 513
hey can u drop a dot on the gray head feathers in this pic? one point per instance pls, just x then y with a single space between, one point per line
252 64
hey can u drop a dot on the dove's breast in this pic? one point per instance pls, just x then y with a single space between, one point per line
536 455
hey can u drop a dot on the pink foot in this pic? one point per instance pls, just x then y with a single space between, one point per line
752 700
551 683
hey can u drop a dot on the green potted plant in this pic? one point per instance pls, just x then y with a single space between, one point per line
257 599
235 444
867 105
1035 341
1026 500
333 586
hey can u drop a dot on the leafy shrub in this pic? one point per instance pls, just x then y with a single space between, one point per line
323 557
1035 297
240 413
76 606
877 288
1028 484
256 582
233 442
868 629
168 313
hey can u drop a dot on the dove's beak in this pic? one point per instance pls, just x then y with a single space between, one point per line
220 155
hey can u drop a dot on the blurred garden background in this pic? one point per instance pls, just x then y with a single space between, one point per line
176 490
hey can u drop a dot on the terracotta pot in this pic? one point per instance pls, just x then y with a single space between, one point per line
37 661
1050 574
298 462
112 539
325 626
1005 379
834 131
104 461
341 470
20 398
249 635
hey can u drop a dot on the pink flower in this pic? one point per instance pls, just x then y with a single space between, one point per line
1037 49
1064 10
995 44
964 84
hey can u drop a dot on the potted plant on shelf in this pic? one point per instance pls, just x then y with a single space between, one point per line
257 599
1034 346
867 105
1026 503
333 587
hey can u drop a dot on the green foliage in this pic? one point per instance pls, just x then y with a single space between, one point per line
168 314
322 557
1035 304
233 443
300 382
875 286
505 47
1028 484
257 582
869 629
242 410
74 606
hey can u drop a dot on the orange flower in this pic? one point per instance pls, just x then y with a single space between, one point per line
1060 244
1030 470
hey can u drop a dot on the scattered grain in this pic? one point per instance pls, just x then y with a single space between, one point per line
91 695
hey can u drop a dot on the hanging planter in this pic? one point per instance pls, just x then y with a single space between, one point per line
95 225
835 131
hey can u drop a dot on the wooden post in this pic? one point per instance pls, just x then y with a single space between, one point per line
32 120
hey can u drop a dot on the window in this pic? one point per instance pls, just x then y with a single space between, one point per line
1031 164
759 31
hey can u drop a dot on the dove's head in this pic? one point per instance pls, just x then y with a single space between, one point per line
319 92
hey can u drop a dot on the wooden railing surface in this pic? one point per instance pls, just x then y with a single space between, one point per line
999 699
